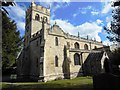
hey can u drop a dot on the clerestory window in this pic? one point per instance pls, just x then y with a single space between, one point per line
76 45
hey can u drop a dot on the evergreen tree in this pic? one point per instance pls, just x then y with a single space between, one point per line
10 40
114 36
114 30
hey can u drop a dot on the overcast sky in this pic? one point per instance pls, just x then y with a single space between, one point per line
87 18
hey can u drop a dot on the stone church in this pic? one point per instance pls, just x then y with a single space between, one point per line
49 53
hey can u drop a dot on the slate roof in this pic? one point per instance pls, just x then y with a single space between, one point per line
95 56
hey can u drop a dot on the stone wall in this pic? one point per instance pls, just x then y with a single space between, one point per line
35 56
47 49
51 50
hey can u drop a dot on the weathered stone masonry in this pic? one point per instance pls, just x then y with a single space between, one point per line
49 53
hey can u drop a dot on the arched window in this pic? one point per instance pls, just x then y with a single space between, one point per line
37 17
86 47
95 47
68 44
76 45
56 41
76 59
45 19
56 61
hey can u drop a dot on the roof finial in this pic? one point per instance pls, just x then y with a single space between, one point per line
55 23
94 39
87 37
78 34
33 3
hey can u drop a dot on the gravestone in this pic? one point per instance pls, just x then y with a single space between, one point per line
106 80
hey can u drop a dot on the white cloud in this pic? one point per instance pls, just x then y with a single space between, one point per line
17 13
75 14
91 29
108 25
107 42
88 28
94 12
82 10
65 25
21 25
99 21
85 9
109 19
88 7
52 15
54 7
107 8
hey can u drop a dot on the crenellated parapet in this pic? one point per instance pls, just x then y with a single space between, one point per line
39 8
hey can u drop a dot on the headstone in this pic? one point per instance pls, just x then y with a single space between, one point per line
106 80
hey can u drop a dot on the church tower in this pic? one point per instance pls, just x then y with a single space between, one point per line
49 53
35 16
37 23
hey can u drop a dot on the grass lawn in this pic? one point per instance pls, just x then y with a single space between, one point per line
85 83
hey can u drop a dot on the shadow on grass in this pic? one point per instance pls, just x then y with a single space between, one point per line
47 86
81 83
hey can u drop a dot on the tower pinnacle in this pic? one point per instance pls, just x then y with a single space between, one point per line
32 3
55 23
78 34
